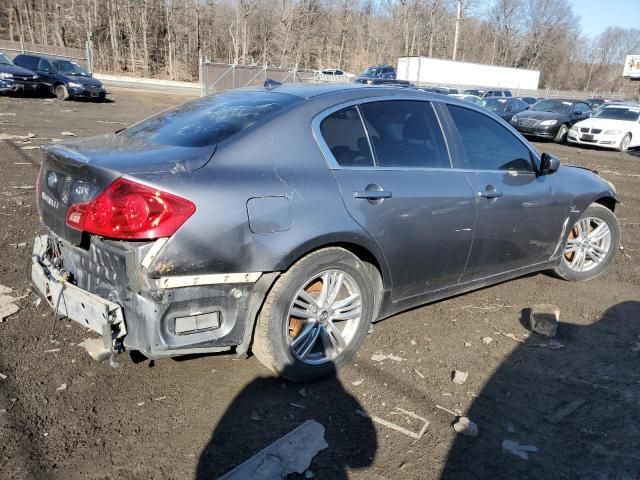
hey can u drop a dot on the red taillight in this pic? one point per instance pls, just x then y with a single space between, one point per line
132 211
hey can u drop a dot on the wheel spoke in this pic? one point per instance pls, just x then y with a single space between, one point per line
305 341
599 233
322 298
572 246
578 260
304 296
298 313
335 336
595 255
334 287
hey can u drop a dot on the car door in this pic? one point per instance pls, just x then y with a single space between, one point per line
46 71
393 169
519 215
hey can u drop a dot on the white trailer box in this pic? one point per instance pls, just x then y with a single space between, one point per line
433 71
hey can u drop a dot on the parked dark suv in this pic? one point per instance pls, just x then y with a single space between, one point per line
286 219
377 72
64 78
16 79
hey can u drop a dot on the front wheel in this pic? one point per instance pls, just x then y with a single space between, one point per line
624 143
591 245
561 136
316 316
61 92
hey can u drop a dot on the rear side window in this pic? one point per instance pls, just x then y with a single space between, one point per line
487 144
27 62
210 120
45 66
405 134
344 134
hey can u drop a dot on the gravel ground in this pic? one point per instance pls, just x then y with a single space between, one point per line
199 417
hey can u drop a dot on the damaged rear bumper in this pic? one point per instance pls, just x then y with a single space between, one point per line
89 310
106 289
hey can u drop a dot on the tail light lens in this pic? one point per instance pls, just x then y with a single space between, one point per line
129 210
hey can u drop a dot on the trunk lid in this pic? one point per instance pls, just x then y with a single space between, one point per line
77 171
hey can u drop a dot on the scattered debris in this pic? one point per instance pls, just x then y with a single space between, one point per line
543 319
551 344
487 340
7 303
357 382
398 428
67 134
62 387
309 474
302 392
298 405
290 454
413 342
141 403
518 450
37 302
465 427
566 410
508 335
255 416
52 350
2 376
459 377
445 409
377 357
418 373
159 398
7 136
468 344
30 147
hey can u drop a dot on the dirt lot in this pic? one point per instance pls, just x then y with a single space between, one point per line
201 416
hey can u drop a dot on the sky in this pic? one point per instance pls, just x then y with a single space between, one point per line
597 15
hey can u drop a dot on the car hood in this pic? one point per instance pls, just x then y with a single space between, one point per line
541 115
16 70
84 80
125 154
605 124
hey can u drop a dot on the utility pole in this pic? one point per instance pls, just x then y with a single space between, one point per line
455 38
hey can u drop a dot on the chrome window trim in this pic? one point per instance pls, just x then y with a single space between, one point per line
333 163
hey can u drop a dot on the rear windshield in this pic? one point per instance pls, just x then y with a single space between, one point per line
210 120
552 106
617 113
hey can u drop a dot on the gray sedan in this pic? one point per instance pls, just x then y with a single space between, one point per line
284 220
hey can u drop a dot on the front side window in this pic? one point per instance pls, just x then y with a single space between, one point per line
4 60
45 66
405 134
487 144
344 134
581 108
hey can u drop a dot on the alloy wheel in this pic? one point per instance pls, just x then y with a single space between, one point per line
324 316
588 244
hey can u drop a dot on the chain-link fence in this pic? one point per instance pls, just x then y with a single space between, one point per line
217 77
81 56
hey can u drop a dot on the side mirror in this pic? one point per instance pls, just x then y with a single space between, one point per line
575 114
508 108
549 164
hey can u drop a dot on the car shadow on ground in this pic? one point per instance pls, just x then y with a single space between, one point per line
269 407
580 420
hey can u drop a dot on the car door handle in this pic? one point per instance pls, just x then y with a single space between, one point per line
372 194
490 194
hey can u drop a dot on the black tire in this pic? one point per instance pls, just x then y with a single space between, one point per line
271 342
601 212
61 92
561 136
624 143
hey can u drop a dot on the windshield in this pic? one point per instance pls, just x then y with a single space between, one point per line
373 71
494 104
618 113
209 120
66 67
4 60
553 106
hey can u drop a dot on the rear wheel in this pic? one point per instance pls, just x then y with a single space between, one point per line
625 142
591 245
316 316
561 136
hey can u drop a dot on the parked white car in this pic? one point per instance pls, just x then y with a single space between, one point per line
611 126
468 98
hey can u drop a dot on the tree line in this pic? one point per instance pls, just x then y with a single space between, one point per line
165 38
